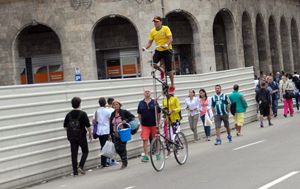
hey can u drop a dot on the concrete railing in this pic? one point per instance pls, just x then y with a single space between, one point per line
33 144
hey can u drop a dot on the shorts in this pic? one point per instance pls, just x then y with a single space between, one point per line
239 119
264 109
219 119
166 56
147 130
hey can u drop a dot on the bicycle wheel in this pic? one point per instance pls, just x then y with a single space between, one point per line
180 148
157 154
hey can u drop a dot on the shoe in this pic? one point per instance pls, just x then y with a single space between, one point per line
261 126
238 134
218 142
123 166
292 115
275 114
75 174
229 137
145 158
114 162
270 124
284 115
81 171
171 90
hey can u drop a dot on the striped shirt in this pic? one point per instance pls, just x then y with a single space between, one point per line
220 103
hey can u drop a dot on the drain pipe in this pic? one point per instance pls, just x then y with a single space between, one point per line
163 8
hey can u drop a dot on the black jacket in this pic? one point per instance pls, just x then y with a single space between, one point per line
125 115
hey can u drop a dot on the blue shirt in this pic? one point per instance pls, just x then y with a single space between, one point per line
147 112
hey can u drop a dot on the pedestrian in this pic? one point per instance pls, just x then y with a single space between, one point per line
275 94
206 114
76 123
162 36
263 98
110 100
192 106
101 118
221 108
119 116
241 105
287 92
296 82
146 114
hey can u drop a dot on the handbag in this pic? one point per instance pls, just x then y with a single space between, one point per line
108 149
95 127
289 94
208 121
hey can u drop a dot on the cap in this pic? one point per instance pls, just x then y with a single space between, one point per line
116 101
157 19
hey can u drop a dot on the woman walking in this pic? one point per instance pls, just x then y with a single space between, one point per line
205 112
119 116
287 92
192 106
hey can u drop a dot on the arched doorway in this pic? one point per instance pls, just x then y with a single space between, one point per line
285 45
40 59
224 41
295 45
248 41
273 33
183 30
116 44
261 44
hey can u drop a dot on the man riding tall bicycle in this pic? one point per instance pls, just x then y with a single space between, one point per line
162 36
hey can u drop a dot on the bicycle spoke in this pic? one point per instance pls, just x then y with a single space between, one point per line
157 154
180 148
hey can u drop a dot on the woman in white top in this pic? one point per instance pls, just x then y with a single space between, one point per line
192 106
102 117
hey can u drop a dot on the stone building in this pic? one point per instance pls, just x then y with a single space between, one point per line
46 40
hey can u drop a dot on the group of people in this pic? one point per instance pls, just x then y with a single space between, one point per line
216 109
271 89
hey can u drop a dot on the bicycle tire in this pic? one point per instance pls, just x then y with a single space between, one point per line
180 148
157 154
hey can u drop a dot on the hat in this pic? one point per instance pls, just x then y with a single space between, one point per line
157 19
116 101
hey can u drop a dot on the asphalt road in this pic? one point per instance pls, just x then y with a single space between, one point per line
260 159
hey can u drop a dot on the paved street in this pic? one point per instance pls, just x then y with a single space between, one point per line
262 158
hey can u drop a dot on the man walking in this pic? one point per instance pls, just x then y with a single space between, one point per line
241 105
146 115
75 123
221 108
263 98
275 94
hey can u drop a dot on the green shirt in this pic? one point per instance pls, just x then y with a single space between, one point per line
241 104
220 103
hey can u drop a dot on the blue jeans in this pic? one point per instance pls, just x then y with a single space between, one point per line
274 105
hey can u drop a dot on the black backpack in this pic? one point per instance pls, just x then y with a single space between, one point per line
233 108
297 83
74 131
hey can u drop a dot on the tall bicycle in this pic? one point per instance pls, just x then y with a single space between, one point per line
173 139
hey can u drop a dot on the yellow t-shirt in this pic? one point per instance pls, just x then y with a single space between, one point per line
161 37
173 105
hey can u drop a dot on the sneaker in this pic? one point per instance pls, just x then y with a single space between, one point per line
145 158
81 171
218 142
229 137
114 162
284 115
270 124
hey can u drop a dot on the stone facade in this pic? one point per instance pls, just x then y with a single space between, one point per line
219 34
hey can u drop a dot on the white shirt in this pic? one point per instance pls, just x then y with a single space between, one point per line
103 116
192 105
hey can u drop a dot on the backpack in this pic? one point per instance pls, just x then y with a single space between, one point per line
74 131
233 108
297 83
